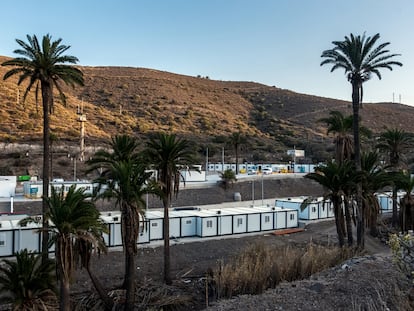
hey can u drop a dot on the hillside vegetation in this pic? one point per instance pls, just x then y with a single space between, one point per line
140 101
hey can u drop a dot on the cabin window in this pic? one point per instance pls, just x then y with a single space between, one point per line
292 216
267 219
154 224
188 222
313 209
87 188
209 224
239 222
2 240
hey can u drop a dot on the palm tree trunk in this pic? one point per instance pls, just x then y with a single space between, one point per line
47 94
63 276
130 288
357 150
129 279
338 221
64 304
348 222
237 159
394 207
167 265
109 303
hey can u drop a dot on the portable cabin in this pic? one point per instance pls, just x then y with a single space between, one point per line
113 220
239 222
260 218
34 189
385 200
6 236
7 186
185 221
317 208
253 218
26 235
310 212
267 217
209 223
291 218
155 225
280 218
195 174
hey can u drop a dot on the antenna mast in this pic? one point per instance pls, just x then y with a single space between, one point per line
82 120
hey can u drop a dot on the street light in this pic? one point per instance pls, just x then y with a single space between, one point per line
73 158
253 192
262 189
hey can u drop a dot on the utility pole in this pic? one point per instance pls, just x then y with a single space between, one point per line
82 120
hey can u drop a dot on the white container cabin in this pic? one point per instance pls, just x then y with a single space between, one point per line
6 236
385 200
26 235
209 223
34 189
7 186
317 208
155 225
114 237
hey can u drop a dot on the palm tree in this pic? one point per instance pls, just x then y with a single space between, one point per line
236 139
395 143
359 57
125 179
74 217
28 283
341 126
335 178
228 177
168 154
405 182
374 179
45 65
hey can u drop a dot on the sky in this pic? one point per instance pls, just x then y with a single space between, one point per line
274 42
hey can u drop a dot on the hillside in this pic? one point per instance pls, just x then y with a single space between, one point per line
140 101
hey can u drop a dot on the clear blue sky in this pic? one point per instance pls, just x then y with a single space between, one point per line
275 42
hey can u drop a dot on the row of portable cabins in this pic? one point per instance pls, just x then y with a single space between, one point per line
318 208
34 189
15 236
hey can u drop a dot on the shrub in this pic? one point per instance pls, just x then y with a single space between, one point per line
259 267
228 177
402 247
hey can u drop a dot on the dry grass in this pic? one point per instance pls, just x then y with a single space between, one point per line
261 267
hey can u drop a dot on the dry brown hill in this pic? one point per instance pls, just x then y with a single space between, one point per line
140 101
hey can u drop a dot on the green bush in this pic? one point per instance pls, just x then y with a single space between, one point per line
402 247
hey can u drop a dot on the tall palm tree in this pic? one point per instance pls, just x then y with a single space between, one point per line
336 178
27 283
74 217
236 139
168 154
395 142
126 181
359 57
44 65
